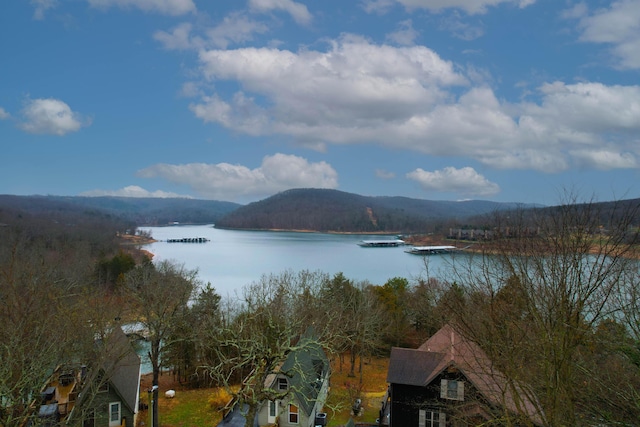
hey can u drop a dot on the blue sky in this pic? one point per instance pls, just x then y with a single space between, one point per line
505 100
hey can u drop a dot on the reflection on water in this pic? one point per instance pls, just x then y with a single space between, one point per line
231 259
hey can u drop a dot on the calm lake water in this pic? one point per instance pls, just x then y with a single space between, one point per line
232 259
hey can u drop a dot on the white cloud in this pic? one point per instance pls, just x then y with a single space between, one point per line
465 181
3 114
471 7
403 98
355 85
166 7
235 28
224 181
298 11
41 6
179 38
605 160
618 26
133 191
405 35
50 116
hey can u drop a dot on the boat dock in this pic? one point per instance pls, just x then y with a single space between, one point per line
381 243
188 240
431 250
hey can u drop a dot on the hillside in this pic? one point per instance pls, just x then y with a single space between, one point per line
337 211
140 211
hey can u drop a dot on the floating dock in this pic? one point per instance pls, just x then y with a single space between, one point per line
188 240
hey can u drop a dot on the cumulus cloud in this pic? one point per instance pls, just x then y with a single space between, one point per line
357 89
133 191
617 26
224 181
410 98
298 11
3 114
471 7
166 7
50 116
464 181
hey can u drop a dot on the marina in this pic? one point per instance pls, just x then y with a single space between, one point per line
431 250
381 243
232 259
189 240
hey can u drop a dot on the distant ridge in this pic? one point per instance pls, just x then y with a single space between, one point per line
337 211
297 209
141 211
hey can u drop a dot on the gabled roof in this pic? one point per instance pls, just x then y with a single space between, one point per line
306 367
420 367
125 369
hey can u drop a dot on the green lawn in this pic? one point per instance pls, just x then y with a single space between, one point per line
192 408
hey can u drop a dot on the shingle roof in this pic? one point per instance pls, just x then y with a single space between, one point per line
306 367
122 367
412 367
446 348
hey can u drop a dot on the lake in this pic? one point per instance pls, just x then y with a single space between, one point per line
232 259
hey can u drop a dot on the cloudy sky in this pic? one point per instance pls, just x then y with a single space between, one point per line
505 100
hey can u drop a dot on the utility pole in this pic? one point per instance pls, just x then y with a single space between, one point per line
153 396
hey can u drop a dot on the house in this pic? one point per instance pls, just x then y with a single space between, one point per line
305 375
102 394
302 382
450 381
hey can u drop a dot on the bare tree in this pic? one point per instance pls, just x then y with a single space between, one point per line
47 317
535 298
159 296
266 326
354 318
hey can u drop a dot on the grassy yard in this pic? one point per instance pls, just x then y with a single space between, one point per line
195 408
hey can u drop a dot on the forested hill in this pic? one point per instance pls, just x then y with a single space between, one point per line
140 211
333 210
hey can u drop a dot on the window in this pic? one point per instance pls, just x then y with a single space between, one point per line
273 411
432 418
451 389
282 384
293 414
114 414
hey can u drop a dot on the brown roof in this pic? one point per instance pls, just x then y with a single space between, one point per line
447 347
412 367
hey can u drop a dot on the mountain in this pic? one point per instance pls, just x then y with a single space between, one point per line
338 211
141 211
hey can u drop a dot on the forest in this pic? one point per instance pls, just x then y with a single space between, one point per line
556 311
337 211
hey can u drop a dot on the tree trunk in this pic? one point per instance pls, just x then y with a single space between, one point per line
154 357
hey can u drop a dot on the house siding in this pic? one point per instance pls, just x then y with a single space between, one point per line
102 401
304 420
407 400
